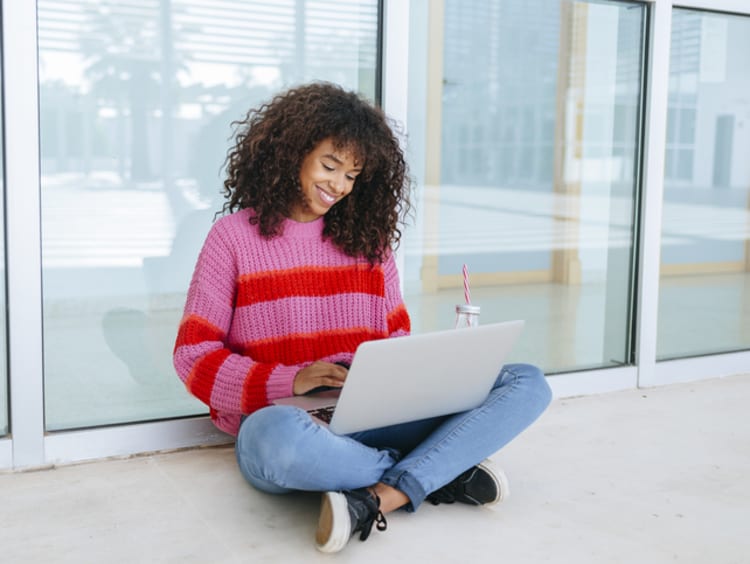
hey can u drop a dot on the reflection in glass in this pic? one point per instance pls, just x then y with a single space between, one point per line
137 101
524 139
704 294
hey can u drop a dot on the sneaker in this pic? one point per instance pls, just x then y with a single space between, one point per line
483 484
344 513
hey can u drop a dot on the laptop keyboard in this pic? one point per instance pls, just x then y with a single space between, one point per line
323 413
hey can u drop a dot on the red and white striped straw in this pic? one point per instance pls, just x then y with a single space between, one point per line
467 291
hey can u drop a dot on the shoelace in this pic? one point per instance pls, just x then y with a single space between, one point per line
378 519
447 494
374 517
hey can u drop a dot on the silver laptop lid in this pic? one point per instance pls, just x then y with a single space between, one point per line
410 378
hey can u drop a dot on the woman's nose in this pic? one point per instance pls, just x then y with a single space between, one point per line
338 183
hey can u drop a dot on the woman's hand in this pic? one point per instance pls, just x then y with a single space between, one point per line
319 374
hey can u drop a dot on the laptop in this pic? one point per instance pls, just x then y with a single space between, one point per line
404 379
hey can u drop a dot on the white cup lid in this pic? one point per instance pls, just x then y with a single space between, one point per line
466 308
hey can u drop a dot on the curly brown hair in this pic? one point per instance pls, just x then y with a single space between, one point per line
272 140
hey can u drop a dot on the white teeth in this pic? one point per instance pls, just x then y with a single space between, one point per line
327 197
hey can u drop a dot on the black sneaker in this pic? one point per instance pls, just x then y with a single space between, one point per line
344 513
483 484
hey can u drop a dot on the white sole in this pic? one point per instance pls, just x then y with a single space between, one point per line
500 479
334 525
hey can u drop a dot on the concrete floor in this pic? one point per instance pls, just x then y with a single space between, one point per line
648 476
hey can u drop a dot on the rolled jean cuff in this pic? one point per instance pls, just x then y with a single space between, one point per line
408 485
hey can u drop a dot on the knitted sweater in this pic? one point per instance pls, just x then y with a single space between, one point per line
258 310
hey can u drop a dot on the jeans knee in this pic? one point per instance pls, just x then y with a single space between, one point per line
534 382
265 446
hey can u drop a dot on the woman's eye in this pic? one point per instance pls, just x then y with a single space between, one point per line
328 168
351 178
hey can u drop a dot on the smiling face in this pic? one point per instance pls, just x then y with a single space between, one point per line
326 176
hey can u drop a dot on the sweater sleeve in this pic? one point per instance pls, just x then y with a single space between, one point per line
399 323
226 381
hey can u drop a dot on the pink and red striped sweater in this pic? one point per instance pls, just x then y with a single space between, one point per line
258 310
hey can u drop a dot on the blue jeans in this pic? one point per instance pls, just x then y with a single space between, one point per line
281 449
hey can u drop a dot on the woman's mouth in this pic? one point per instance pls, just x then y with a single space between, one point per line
326 197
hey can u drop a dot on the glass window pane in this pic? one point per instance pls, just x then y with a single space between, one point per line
543 216
137 101
3 310
687 126
704 293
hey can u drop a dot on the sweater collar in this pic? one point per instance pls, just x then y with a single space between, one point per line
306 230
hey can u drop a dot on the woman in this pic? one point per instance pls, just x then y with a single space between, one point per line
289 282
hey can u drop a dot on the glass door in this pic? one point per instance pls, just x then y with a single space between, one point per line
526 138
136 106
704 292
